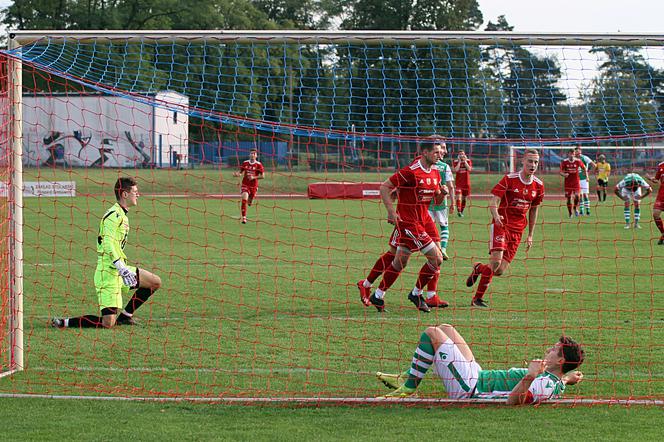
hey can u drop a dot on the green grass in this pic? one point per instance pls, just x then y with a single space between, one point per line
271 308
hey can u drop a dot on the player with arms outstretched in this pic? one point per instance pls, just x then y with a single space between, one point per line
629 189
416 185
659 201
570 168
113 276
251 171
515 203
603 169
454 363
462 167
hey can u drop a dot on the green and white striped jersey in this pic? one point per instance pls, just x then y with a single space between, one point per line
633 181
583 174
445 175
497 384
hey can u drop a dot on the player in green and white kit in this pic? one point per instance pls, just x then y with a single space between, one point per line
113 277
583 181
454 363
440 213
629 190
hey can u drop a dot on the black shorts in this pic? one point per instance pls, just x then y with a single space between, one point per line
602 183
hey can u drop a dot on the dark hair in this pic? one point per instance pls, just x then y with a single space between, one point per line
253 149
123 184
572 353
433 140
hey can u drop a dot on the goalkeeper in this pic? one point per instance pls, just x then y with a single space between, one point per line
113 276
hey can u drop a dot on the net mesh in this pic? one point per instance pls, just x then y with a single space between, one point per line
270 308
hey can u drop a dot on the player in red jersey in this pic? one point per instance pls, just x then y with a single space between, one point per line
462 167
659 201
569 168
416 185
251 170
515 203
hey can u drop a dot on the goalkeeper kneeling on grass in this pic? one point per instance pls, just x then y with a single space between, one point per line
463 378
113 276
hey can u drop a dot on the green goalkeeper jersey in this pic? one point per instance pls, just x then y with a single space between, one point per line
445 175
499 384
113 231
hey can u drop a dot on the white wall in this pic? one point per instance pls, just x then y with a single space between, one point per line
174 131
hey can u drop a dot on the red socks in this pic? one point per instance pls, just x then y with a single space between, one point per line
380 266
244 207
486 275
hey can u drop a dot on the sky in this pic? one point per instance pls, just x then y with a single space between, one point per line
577 15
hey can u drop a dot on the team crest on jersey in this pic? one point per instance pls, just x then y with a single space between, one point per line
533 193
428 181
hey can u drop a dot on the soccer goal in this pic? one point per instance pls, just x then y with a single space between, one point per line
256 298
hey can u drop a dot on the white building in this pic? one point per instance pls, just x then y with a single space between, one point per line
94 129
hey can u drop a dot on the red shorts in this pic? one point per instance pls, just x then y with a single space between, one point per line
659 204
250 190
504 240
569 191
414 237
465 191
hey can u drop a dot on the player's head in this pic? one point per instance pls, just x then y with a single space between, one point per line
571 153
462 154
601 158
253 154
434 150
577 151
530 161
126 190
566 354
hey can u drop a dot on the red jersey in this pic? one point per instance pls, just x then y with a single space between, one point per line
572 168
249 169
416 187
659 176
516 199
463 175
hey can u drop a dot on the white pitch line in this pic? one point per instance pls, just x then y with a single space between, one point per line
335 400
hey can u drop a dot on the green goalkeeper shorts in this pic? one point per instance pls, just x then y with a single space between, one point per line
109 287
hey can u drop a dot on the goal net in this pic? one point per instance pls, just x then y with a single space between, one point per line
269 309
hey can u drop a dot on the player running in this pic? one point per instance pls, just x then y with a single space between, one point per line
659 201
629 189
416 185
462 167
454 363
570 168
113 276
603 169
251 170
515 204
584 184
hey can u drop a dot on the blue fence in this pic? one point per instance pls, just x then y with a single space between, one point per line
234 152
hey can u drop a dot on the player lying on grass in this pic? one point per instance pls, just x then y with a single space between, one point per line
629 189
113 276
454 363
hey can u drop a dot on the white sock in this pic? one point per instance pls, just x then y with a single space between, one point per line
366 284
379 294
430 294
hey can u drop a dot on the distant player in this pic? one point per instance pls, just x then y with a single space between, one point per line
416 185
630 189
570 168
440 212
515 203
584 184
659 201
462 167
454 363
603 172
113 276
251 170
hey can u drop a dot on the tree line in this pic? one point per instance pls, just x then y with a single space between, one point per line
462 91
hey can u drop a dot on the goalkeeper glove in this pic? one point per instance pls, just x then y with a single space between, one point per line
128 277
